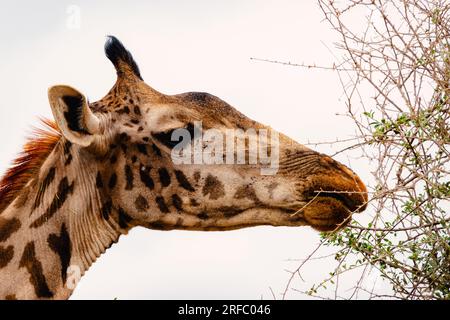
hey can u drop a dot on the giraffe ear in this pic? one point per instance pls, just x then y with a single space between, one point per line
75 119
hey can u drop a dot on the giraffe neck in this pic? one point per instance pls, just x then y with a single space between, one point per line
54 230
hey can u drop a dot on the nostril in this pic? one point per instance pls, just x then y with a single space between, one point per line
355 201
348 199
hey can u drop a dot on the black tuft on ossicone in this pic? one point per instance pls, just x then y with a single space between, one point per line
115 51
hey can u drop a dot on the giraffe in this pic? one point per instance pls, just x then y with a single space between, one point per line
101 168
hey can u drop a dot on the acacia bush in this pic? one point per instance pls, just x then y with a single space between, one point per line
394 67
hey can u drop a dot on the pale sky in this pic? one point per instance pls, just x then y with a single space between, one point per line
184 46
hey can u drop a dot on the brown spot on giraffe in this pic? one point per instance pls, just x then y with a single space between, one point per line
159 225
142 148
113 159
107 209
99 181
144 173
112 181
30 262
125 110
6 255
68 160
177 202
162 205
156 150
8 227
124 148
183 181
247 192
141 203
203 216
194 203
213 187
124 219
67 146
129 176
230 211
124 137
62 246
164 177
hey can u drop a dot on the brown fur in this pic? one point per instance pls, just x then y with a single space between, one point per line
28 163
81 192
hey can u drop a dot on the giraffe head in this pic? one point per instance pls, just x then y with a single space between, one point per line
127 137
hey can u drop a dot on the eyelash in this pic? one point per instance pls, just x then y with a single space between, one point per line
166 137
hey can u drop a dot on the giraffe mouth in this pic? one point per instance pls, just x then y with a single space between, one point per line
231 211
353 201
331 210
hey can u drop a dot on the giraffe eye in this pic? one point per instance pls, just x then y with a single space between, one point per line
165 137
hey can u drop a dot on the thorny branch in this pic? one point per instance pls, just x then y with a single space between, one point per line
395 73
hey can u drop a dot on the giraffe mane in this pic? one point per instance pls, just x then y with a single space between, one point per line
38 147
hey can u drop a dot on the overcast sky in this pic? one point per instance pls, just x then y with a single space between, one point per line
183 46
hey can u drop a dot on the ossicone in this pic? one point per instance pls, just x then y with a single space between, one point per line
121 58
